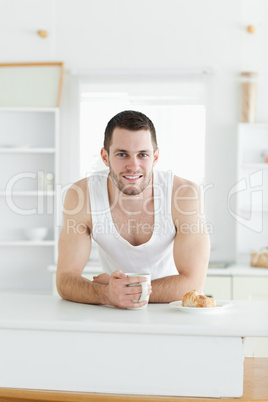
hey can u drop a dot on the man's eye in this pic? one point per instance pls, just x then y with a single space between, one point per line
121 154
143 155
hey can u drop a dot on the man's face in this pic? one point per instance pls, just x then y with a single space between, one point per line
131 159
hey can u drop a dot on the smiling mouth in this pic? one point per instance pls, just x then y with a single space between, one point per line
132 177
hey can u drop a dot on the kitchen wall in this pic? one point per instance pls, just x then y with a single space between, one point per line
152 34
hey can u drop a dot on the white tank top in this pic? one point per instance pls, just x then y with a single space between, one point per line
156 255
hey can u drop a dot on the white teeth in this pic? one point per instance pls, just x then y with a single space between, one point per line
131 177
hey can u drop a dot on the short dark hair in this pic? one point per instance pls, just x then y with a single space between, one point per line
130 120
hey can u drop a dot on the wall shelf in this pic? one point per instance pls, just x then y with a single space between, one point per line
29 109
27 193
21 150
22 243
254 165
28 153
253 125
251 197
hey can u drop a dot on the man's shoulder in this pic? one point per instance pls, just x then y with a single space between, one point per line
184 186
78 192
83 184
187 199
78 186
76 198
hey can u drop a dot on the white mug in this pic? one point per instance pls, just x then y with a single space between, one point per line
144 285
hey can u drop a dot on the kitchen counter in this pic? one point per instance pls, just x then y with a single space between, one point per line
93 267
51 344
238 270
52 313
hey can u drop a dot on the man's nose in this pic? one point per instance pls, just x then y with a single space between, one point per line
133 164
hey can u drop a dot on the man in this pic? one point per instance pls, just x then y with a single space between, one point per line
143 220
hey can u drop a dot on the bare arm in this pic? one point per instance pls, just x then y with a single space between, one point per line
74 251
191 246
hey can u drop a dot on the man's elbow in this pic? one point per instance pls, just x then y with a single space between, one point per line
61 285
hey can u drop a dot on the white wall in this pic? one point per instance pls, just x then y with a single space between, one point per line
158 34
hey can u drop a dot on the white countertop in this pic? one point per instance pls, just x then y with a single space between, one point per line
43 312
238 270
233 270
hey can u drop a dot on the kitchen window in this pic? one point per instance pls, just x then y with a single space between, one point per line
176 105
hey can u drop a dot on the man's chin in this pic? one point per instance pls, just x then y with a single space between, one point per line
132 191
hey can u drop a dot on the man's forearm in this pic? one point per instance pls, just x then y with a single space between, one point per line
75 288
171 288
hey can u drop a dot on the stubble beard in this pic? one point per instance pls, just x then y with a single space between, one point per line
131 189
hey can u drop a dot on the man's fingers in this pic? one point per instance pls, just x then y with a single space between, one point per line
133 290
102 279
135 279
128 279
119 274
122 290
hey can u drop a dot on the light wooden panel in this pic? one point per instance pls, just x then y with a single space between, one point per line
31 84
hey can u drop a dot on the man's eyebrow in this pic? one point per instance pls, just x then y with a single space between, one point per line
119 150
125 151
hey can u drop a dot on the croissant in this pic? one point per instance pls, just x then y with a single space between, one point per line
194 299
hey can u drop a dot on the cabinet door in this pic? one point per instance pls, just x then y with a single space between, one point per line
219 287
250 288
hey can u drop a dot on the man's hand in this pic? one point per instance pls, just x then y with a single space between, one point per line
102 279
119 294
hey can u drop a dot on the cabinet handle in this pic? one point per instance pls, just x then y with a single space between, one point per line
251 29
42 33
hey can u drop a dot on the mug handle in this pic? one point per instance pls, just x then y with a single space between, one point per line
144 293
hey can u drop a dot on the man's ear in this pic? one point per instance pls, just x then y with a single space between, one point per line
156 156
104 156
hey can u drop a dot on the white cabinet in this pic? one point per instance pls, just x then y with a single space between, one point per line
29 171
219 287
251 190
251 215
250 288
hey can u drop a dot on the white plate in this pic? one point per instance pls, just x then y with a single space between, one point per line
221 306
